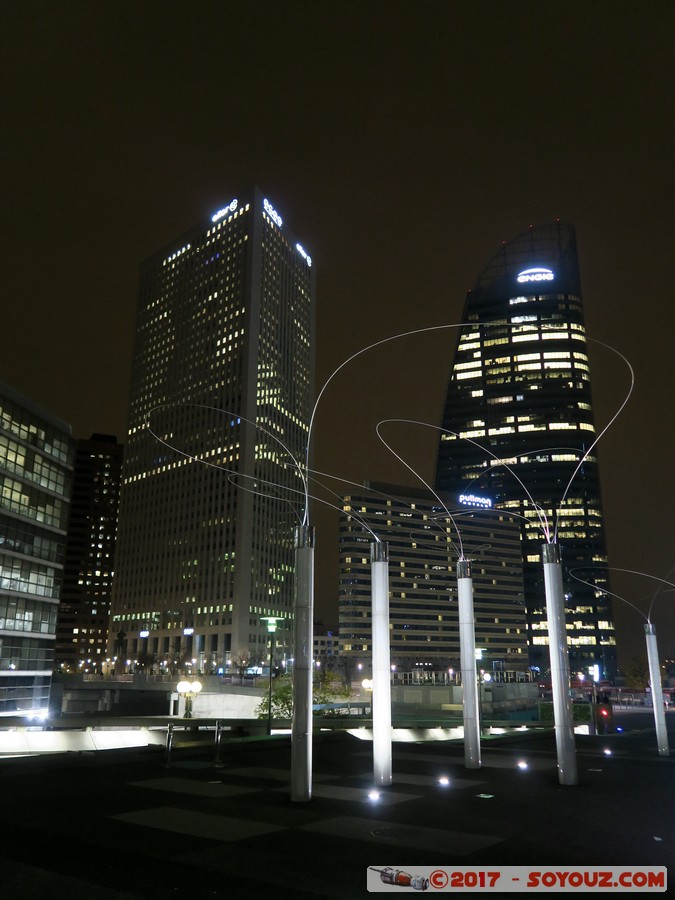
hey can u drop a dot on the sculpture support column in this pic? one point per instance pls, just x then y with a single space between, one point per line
379 573
657 690
560 665
467 649
303 651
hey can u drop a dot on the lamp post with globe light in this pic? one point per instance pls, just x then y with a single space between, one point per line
272 623
188 689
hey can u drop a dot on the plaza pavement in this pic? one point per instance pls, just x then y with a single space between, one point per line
122 825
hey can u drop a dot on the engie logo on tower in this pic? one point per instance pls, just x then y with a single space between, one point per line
536 274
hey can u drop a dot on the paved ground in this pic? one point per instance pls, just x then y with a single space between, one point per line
122 825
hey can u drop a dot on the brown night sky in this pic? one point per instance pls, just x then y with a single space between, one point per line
402 143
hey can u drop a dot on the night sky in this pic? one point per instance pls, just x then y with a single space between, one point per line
402 143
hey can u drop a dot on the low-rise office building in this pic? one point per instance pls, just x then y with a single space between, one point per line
424 545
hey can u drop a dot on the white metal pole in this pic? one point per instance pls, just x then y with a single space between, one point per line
560 665
657 690
379 573
467 649
303 631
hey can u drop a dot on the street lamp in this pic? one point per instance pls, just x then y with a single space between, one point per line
188 689
271 622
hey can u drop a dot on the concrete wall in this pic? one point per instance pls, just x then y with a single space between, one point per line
235 703
19 743
140 696
496 698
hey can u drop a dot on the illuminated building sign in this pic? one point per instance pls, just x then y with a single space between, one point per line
304 254
473 500
143 634
226 210
272 213
536 274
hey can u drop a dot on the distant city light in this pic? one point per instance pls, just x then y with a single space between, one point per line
536 274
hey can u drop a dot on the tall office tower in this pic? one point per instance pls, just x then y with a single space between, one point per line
423 553
518 407
36 461
221 397
84 612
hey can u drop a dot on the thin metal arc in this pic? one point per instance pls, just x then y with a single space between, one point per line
379 343
602 590
646 616
226 413
417 475
541 515
602 433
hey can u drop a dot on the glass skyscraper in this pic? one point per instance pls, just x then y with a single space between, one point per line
84 612
36 464
518 421
220 402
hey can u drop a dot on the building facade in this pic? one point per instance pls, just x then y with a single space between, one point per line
518 427
221 397
36 461
326 646
424 546
84 612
